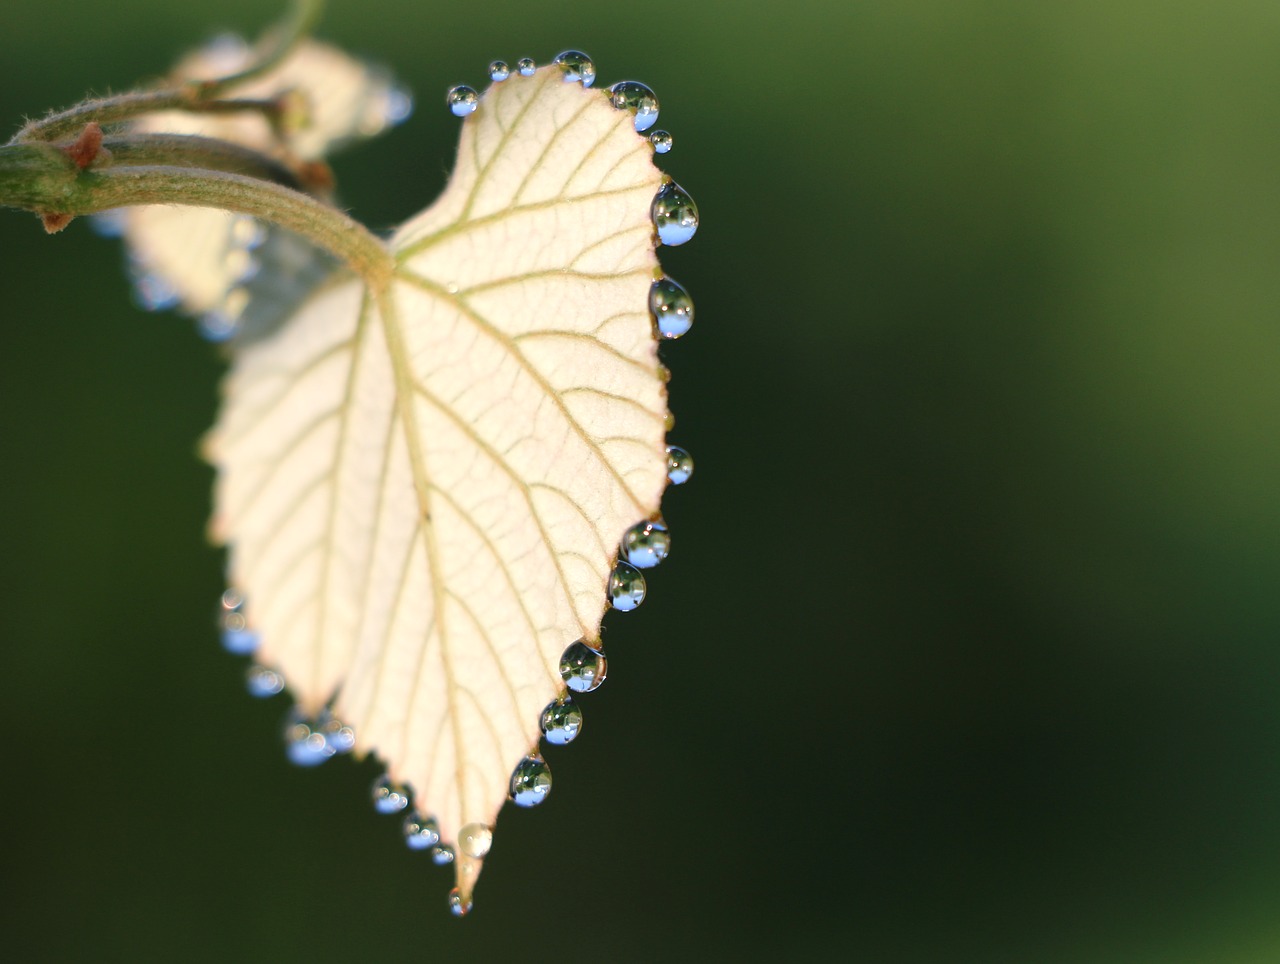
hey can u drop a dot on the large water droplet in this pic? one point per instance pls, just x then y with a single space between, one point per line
674 215
626 587
662 142
475 839
389 797
420 833
672 308
463 100
577 66
304 745
646 544
640 100
582 668
262 681
561 721
526 66
459 907
498 71
530 782
399 105
441 855
679 465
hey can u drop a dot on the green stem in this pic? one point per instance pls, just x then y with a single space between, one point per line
42 178
192 150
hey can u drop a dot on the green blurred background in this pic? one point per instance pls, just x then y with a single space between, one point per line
967 650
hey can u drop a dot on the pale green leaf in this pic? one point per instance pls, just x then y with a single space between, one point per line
423 487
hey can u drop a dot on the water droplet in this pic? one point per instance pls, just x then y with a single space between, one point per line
672 308
640 100
340 737
441 855
459 907
561 721
526 66
662 142
475 839
582 668
499 71
389 797
109 224
399 105
463 100
530 782
577 66
232 600
248 232
304 746
263 681
152 291
679 465
674 215
237 637
420 833
646 544
626 587
217 327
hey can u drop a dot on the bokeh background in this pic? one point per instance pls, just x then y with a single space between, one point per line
967 650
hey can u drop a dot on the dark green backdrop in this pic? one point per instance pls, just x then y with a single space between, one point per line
968 647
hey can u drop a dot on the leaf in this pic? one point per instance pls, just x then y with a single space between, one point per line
423 487
207 260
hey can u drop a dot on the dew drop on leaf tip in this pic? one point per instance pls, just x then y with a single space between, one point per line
530 782
499 71
679 465
633 96
462 100
340 737
305 746
561 721
646 544
577 67
388 797
662 142
582 668
442 855
671 307
626 587
526 66
263 682
674 215
458 905
420 833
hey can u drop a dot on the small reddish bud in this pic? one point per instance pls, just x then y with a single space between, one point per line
53 223
85 150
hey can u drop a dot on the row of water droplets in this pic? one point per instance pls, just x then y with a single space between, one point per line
583 665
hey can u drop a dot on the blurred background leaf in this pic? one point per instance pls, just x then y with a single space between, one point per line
967 648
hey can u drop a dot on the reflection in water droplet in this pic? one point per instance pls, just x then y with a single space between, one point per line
640 100
662 142
646 544
304 746
420 833
475 839
499 71
577 66
462 100
526 66
232 600
626 587
263 682
582 668
460 907
389 797
671 307
561 721
674 215
679 465
441 855
530 782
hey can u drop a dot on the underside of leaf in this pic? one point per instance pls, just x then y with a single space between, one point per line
423 487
